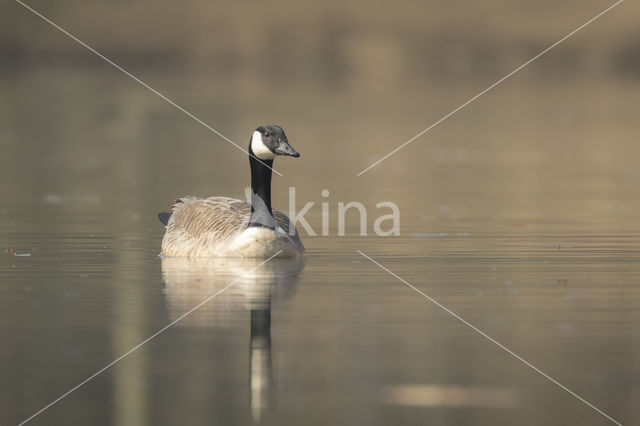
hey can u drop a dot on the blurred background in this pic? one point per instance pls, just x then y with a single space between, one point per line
348 82
521 209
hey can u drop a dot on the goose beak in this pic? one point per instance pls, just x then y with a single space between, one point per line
285 149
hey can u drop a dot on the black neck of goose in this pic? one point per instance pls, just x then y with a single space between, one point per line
261 214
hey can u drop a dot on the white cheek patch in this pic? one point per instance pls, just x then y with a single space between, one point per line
259 149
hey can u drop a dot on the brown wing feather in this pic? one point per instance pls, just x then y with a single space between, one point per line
196 223
284 222
220 218
218 215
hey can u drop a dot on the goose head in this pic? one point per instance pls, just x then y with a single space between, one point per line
270 141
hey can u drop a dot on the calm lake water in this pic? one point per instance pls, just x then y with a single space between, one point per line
520 215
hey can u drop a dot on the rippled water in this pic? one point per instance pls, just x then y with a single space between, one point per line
331 339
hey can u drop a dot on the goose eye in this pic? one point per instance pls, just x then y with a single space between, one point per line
267 134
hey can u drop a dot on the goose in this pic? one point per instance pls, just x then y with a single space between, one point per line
227 227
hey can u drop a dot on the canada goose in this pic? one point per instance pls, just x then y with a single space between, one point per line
221 226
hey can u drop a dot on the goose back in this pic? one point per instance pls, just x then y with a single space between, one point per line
202 227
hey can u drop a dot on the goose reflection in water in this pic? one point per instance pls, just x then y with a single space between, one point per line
189 281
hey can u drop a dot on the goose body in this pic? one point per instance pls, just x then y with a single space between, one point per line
218 226
227 227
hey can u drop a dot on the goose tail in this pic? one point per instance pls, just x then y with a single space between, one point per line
164 217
